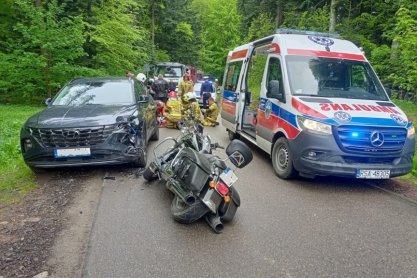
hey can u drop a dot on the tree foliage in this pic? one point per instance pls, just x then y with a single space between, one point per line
45 43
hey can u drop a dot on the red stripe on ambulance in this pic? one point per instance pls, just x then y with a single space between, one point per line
239 54
275 124
304 109
317 53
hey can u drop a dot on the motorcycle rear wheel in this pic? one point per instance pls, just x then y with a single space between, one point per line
186 214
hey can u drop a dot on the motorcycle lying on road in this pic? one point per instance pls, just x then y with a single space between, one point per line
202 183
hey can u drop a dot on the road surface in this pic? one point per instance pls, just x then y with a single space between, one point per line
327 227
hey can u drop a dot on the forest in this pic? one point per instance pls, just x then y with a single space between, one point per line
46 43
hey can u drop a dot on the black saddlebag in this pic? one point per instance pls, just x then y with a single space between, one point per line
192 169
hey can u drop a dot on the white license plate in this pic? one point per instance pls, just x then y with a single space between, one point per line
228 177
372 174
72 152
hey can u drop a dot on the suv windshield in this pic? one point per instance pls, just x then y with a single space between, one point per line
169 71
96 92
331 77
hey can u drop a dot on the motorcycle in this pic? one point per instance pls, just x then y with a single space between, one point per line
202 183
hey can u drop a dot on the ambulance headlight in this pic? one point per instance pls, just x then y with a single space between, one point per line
410 132
314 126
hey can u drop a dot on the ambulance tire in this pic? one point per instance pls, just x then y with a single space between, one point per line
232 135
282 159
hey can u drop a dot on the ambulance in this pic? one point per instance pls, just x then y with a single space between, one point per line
313 102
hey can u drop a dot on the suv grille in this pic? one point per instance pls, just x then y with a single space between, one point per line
72 137
370 140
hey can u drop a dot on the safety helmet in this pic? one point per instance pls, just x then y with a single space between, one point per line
172 94
191 95
141 77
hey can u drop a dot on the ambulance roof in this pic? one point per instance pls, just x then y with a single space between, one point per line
304 44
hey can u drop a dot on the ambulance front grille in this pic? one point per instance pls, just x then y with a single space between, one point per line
370 139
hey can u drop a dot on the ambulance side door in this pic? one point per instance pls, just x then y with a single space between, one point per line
231 93
271 101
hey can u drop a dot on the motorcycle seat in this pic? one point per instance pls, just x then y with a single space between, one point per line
216 161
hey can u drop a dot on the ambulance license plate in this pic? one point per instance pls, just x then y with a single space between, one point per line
372 174
58 153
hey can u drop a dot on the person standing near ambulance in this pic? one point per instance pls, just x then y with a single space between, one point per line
206 90
185 85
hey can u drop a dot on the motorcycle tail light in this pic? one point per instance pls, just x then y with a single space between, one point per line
222 188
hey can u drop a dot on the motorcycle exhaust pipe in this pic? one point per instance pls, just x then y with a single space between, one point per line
215 223
189 199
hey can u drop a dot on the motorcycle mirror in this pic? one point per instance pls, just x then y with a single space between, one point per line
239 153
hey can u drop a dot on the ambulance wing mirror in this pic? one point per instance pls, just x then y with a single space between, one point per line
274 91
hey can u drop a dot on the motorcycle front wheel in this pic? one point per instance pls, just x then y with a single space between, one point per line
149 175
186 214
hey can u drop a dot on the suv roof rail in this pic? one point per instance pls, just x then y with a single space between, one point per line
307 32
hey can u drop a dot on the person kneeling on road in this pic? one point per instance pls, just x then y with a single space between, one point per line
210 114
192 110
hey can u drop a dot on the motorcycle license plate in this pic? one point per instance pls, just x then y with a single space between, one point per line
228 177
372 174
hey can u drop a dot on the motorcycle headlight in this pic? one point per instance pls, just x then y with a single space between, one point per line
411 131
314 126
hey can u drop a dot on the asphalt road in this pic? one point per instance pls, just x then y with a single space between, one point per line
326 227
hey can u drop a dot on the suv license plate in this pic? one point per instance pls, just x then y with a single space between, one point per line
372 174
72 152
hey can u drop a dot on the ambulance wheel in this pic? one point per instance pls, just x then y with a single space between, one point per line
282 159
232 135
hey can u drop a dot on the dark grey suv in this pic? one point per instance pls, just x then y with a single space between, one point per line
92 121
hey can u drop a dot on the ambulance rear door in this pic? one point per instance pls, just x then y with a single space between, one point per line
232 89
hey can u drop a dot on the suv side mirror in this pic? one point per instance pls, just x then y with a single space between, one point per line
274 91
48 101
239 153
143 99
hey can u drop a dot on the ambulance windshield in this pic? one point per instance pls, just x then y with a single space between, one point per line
332 77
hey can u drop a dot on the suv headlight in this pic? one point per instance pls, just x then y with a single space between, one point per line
314 126
411 131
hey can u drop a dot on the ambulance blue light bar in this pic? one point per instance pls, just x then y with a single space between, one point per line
306 32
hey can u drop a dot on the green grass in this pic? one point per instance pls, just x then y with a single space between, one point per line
410 109
16 179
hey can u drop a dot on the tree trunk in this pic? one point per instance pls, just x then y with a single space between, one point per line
279 15
153 31
333 6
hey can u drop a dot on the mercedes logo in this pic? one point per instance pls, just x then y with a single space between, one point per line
377 139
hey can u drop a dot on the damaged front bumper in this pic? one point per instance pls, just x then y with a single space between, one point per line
116 148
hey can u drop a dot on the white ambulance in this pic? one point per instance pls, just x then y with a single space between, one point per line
313 102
